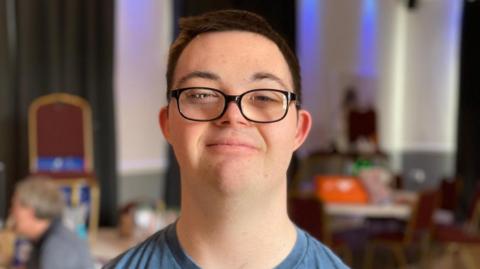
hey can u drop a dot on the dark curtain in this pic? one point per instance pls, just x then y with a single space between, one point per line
281 14
6 106
51 46
468 139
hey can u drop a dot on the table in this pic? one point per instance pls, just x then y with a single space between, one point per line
399 208
397 211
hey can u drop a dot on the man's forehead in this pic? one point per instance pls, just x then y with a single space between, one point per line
209 54
211 76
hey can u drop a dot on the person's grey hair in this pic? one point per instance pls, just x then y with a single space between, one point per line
42 195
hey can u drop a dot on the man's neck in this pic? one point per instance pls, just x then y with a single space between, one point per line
236 233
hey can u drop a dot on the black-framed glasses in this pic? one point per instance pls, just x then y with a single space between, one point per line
207 104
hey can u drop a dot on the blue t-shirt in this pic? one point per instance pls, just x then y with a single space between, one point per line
163 250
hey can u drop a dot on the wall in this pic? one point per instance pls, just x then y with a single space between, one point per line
426 119
410 56
143 35
325 34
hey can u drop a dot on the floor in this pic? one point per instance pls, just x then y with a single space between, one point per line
439 257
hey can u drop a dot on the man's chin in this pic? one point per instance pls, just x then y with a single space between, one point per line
232 176
233 187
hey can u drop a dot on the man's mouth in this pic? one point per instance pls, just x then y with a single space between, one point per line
231 144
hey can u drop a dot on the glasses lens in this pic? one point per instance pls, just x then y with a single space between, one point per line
264 105
201 104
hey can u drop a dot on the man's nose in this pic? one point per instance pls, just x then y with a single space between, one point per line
233 114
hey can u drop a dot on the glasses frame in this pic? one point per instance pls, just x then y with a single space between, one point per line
237 99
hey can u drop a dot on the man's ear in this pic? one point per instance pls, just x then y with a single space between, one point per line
163 121
304 123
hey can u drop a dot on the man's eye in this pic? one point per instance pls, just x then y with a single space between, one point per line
263 98
202 97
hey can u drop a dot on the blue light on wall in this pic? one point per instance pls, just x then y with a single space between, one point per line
308 37
454 21
367 50
137 11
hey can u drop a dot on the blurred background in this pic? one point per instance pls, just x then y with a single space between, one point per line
391 84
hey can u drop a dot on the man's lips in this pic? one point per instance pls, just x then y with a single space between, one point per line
231 144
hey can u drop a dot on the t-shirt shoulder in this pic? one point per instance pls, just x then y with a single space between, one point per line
147 254
317 255
162 250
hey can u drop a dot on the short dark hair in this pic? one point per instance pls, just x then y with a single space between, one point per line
230 20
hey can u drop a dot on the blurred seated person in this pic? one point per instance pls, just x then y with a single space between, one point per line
361 123
37 207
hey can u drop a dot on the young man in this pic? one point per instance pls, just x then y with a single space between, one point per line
233 119
37 207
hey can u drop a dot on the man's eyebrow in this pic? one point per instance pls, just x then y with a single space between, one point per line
269 76
198 74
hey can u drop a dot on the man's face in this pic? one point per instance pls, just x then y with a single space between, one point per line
232 154
23 217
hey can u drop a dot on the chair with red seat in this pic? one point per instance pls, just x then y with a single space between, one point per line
462 232
418 229
457 237
60 136
450 191
61 148
307 211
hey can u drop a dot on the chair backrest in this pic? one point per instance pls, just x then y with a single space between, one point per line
60 134
307 211
450 189
474 210
362 124
421 220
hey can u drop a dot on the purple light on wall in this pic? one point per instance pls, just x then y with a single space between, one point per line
367 50
309 44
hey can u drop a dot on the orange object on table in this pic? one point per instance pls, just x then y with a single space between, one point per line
340 189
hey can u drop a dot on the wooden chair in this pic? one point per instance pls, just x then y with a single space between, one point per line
61 148
450 189
60 136
307 211
456 238
418 229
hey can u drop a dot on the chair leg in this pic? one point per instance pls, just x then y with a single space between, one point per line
467 258
368 257
348 257
399 256
425 253
346 254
